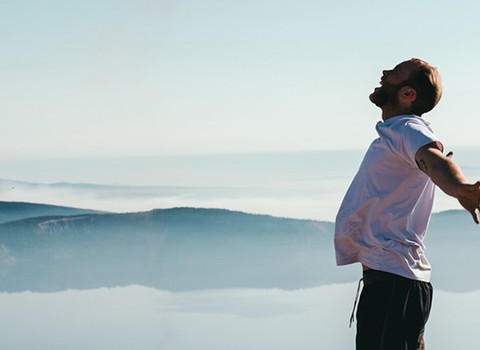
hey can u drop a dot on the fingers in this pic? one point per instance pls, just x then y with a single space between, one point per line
469 198
475 216
476 187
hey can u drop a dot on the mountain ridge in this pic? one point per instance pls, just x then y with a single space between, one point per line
187 248
12 211
163 248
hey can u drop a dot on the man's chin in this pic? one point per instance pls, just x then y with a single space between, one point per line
374 97
377 97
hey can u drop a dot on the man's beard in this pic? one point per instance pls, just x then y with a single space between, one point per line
387 94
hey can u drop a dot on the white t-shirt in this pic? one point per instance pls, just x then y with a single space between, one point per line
384 216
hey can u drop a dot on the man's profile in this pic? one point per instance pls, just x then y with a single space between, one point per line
383 219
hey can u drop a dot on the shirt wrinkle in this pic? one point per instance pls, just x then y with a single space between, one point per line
384 216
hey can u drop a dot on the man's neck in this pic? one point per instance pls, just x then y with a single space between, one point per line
390 112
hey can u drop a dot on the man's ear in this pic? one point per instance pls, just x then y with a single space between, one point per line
407 95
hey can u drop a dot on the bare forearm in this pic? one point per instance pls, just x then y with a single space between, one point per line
448 176
445 173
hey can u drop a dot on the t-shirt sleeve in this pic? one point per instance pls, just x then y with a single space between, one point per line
415 136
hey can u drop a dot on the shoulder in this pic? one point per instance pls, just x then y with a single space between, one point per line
411 126
408 133
405 122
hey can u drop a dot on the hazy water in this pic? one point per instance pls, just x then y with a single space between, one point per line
236 319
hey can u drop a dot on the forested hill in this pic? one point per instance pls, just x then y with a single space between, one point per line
10 211
189 248
175 249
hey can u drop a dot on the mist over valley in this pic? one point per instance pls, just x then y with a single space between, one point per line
193 248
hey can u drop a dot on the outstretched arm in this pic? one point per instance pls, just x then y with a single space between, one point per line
447 175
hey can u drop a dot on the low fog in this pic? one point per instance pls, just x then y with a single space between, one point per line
236 319
178 278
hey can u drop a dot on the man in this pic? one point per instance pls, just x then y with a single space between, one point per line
385 213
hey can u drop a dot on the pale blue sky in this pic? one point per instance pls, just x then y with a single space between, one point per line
144 78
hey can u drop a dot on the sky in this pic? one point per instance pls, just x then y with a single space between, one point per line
137 78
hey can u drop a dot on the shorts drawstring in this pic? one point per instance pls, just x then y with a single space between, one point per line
352 317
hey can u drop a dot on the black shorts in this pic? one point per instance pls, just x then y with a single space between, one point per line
392 312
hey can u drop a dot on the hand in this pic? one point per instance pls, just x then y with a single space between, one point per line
469 198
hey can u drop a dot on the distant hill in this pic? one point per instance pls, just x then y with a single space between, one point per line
174 249
11 211
188 249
